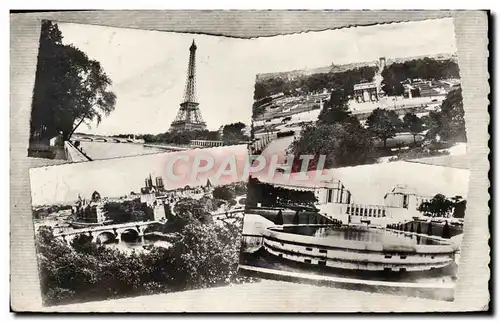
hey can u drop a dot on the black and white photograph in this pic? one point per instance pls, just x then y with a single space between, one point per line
380 117
103 92
250 161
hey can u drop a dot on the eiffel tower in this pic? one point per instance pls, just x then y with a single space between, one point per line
189 116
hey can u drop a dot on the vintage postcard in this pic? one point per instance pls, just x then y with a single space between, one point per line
104 92
361 174
243 166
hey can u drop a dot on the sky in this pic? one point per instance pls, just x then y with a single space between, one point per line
149 68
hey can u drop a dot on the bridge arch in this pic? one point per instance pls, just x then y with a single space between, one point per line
129 235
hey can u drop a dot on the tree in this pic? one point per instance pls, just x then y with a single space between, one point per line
434 122
83 244
438 206
189 210
449 122
391 83
233 133
260 91
336 109
384 124
204 256
452 112
342 144
413 124
459 209
422 68
70 88
127 211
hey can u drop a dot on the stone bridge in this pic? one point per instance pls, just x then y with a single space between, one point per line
109 232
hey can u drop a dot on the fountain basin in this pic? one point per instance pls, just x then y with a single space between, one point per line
357 248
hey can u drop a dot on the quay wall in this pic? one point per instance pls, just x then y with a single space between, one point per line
73 154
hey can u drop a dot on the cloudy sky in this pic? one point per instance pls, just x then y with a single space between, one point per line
148 68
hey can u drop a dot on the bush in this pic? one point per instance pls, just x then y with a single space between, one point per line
223 193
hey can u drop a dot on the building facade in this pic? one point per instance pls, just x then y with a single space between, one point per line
366 92
335 201
89 212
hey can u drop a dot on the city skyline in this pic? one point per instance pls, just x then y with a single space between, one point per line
118 177
148 68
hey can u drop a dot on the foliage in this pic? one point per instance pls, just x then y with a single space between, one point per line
460 205
70 88
229 191
268 87
83 244
343 144
391 82
336 109
449 123
189 210
179 137
127 211
384 124
233 133
413 124
239 188
426 68
204 256
47 210
223 193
